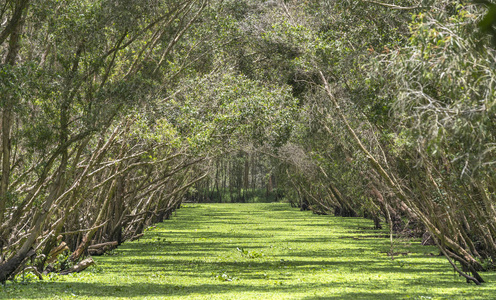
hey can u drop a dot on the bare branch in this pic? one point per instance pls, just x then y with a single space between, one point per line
392 6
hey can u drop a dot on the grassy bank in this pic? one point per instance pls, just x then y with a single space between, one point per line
260 251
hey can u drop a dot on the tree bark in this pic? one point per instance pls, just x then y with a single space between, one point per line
14 30
82 265
398 191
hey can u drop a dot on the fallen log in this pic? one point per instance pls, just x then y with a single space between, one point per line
96 252
136 237
79 267
107 244
99 249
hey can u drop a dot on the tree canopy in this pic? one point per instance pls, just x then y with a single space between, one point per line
114 112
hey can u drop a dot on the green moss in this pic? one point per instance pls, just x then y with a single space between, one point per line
261 251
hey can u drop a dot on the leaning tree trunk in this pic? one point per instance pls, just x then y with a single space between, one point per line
14 31
466 258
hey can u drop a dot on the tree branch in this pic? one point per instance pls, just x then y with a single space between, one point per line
392 6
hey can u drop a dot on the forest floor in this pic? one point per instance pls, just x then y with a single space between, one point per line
260 251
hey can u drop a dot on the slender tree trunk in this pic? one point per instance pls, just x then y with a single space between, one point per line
14 30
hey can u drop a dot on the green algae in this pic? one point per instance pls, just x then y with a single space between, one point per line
261 251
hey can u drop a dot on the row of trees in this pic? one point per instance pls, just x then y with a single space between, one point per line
102 131
239 176
74 106
114 111
398 107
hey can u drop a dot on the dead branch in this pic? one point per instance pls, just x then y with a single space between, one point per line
79 267
392 6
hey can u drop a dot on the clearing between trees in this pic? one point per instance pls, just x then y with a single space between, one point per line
260 251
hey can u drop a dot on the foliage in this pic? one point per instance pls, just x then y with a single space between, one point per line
228 110
114 112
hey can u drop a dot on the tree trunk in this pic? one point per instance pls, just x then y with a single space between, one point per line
398 191
79 267
14 29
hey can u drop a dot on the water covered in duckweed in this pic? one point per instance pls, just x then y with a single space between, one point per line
260 251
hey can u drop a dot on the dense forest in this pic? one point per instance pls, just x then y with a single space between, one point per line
114 112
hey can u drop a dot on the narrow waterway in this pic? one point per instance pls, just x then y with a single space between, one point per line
261 251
